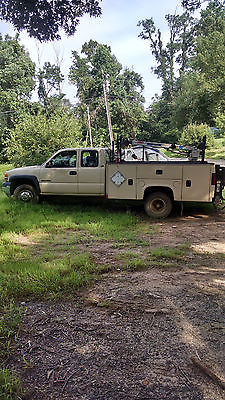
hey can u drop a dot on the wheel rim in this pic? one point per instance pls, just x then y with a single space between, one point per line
157 205
26 196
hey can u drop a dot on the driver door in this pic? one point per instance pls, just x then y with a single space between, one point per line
59 175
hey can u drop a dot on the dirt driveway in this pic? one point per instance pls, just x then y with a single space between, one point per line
135 335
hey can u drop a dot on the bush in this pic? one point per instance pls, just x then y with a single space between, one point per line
193 134
37 137
220 124
171 136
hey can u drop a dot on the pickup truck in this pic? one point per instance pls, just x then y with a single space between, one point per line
91 172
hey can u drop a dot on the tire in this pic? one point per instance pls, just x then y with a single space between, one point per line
26 194
158 205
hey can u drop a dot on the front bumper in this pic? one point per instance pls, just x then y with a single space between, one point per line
6 188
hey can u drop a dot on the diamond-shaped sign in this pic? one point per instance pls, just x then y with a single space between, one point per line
117 178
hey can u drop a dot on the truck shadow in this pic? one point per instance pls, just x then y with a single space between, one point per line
190 210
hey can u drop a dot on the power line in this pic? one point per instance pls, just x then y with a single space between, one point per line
7 112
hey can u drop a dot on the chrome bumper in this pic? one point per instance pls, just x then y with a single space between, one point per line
6 188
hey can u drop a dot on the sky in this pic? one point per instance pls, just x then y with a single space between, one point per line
117 27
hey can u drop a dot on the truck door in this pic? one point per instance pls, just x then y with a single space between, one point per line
59 174
91 176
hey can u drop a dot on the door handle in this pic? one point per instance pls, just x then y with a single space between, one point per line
73 173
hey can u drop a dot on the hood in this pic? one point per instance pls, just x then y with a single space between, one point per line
23 170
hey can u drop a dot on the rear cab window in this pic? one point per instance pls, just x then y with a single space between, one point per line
89 158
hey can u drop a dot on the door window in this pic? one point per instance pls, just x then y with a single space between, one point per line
64 159
89 158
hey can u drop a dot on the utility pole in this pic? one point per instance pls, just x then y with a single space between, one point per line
89 126
107 111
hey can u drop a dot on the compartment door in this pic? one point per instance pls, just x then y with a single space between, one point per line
196 182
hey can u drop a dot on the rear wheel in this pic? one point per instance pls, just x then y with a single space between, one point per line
26 194
158 205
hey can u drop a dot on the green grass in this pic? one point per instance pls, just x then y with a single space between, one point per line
175 253
39 245
218 152
9 326
41 257
10 388
48 267
44 254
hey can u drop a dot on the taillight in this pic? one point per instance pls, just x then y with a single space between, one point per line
213 178
6 177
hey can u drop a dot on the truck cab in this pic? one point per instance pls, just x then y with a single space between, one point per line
73 171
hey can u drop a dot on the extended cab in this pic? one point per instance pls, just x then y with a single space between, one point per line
89 172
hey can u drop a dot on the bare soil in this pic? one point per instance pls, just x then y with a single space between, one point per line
133 335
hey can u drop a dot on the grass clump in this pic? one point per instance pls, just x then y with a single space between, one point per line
9 324
47 278
175 253
10 388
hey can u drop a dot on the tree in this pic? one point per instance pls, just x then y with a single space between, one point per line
192 5
16 68
201 92
49 91
172 56
220 124
172 59
16 82
191 66
88 71
43 19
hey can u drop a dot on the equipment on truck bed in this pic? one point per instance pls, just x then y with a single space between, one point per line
193 153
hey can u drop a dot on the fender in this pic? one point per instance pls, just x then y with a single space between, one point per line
17 180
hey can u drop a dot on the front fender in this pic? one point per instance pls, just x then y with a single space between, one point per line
17 180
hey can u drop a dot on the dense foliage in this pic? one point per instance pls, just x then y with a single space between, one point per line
193 134
97 65
43 19
37 137
16 83
190 65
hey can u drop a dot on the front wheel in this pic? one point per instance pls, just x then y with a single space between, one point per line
158 205
26 194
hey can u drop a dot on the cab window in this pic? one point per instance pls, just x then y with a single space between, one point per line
65 159
89 158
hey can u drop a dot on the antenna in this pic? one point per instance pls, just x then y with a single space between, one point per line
107 111
89 126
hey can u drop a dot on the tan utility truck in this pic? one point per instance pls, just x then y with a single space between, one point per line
91 172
